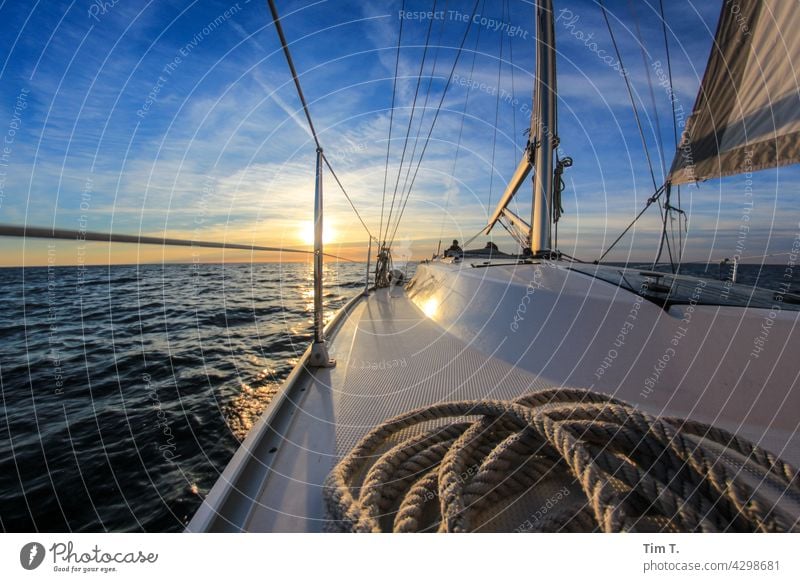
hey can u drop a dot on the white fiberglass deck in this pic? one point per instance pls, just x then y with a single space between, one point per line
499 330
390 358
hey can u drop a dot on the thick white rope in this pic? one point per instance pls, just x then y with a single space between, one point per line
622 470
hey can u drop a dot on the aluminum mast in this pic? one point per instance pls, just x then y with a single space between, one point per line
543 128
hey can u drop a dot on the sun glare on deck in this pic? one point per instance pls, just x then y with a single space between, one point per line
430 307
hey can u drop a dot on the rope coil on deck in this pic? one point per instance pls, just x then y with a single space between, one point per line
628 470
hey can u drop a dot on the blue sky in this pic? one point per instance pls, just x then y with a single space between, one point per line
181 119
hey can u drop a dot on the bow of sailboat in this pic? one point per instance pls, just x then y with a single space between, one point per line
496 331
670 401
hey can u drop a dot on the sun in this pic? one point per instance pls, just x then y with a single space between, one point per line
306 232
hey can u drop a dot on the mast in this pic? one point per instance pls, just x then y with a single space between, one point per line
539 154
543 128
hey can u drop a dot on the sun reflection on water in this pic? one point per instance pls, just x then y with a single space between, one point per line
243 411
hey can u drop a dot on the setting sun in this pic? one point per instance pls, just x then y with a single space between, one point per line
306 232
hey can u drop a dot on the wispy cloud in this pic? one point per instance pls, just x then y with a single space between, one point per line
120 132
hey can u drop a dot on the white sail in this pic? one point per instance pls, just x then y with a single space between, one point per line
747 113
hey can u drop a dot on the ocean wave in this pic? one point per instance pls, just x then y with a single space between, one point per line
140 382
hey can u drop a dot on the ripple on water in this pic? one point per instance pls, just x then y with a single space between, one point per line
127 395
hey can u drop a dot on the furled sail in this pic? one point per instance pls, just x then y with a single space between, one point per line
747 113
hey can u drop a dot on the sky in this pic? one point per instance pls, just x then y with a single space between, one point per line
180 119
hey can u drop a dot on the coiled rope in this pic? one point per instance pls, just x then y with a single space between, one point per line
619 468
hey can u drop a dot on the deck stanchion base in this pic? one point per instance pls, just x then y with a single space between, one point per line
319 357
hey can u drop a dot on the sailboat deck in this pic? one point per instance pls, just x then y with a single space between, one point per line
390 359
449 336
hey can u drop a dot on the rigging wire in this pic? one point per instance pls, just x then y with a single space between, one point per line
515 156
669 73
391 117
461 126
641 135
645 55
512 233
477 234
630 93
674 125
436 117
425 103
277 21
28 231
664 238
513 90
667 214
408 129
341 187
496 115
650 201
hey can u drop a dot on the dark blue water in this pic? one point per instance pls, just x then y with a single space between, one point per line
126 390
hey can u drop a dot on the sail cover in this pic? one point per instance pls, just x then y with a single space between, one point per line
747 113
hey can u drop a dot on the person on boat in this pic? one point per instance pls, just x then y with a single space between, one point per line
454 250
